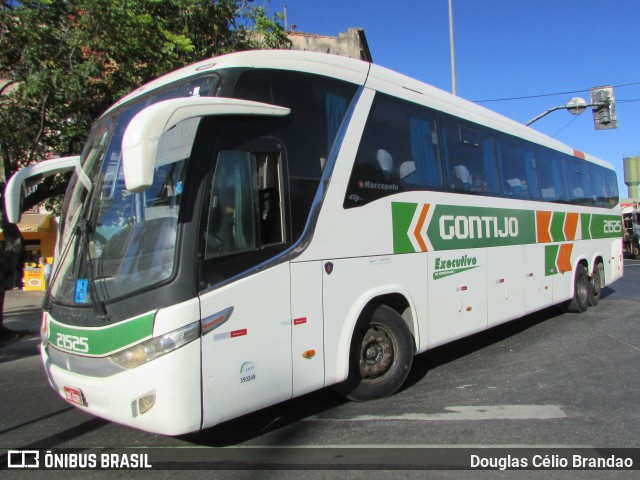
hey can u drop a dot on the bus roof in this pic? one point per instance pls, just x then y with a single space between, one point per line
363 73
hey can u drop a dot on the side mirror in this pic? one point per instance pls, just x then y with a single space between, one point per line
16 185
140 140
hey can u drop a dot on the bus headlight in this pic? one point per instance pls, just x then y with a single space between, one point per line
156 347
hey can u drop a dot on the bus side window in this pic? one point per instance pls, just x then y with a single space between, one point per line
245 204
270 199
551 176
469 157
578 181
231 226
244 219
517 167
604 187
398 152
612 188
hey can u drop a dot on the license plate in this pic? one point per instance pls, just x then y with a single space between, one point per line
75 396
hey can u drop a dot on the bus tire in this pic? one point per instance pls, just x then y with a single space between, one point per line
380 356
596 285
635 247
581 288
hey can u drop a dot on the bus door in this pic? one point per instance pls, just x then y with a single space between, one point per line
245 304
246 361
307 332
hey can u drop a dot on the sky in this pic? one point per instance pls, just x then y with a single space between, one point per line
506 49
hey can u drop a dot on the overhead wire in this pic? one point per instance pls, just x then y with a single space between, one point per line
555 94
565 126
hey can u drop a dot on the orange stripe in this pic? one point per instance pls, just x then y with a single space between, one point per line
570 226
418 231
543 220
578 154
564 257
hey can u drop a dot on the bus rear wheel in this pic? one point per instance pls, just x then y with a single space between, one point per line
381 355
596 285
635 247
581 291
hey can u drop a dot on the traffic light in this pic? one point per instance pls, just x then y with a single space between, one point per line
604 108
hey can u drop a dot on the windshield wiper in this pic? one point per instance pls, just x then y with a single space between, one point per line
83 229
81 232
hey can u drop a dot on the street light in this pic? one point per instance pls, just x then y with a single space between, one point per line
575 106
604 112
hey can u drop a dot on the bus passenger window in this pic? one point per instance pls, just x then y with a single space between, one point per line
601 187
469 154
612 188
398 152
578 181
517 163
551 175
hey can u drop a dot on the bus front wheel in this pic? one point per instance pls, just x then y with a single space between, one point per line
581 291
381 355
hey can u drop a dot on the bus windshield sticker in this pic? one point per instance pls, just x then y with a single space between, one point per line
82 286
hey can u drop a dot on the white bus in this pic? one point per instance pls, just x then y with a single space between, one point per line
265 224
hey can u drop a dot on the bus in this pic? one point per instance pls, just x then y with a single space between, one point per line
264 224
631 222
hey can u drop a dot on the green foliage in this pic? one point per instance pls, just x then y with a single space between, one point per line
64 62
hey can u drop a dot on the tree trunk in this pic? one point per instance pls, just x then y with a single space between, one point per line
10 256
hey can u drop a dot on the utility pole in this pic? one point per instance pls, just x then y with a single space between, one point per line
453 54
286 19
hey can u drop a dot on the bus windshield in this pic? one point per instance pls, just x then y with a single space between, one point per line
113 241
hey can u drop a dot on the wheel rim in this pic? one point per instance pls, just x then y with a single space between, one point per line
376 353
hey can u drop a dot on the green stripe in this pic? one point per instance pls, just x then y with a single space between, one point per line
402 215
550 256
456 227
100 341
557 227
606 226
453 227
585 220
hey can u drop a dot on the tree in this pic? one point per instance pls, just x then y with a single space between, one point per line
64 62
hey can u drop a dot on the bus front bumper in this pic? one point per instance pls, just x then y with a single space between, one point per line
162 396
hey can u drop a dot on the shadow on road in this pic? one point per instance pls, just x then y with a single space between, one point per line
267 420
28 346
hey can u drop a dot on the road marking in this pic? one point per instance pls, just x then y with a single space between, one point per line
618 339
489 412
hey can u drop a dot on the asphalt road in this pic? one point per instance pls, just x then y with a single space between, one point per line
547 380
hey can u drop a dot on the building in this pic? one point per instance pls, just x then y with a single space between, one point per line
39 232
352 43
